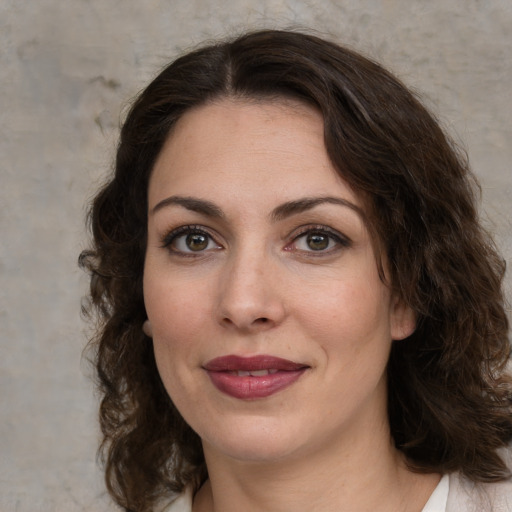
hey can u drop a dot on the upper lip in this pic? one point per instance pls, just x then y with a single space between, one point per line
252 363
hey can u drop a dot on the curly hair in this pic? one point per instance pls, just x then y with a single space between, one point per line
449 397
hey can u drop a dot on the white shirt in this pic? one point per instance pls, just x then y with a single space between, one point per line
439 498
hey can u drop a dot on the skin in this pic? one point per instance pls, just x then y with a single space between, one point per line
253 283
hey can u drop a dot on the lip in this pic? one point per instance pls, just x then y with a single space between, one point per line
223 374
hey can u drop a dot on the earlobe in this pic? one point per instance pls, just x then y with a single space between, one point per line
403 320
147 329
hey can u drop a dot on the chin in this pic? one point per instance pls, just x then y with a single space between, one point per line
252 440
258 451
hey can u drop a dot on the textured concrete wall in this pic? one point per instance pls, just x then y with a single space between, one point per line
67 70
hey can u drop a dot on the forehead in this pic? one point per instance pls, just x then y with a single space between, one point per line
274 147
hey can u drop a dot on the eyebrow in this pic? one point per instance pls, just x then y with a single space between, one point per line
281 212
190 203
307 203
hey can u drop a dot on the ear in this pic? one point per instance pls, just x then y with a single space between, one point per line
403 319
147 329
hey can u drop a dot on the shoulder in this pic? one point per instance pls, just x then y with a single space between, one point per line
183 503
468 496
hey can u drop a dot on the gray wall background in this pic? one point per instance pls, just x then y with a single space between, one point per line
67 71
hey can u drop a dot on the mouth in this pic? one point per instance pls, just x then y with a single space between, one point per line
254 377
254 373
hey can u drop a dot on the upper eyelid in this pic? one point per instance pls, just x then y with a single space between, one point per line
340 240
171 235
308 228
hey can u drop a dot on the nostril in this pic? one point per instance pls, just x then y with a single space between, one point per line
261 322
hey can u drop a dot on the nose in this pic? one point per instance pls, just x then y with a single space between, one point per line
251 294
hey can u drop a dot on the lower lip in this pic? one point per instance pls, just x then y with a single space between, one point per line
249 387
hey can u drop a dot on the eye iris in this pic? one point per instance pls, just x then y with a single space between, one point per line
317 241
197 241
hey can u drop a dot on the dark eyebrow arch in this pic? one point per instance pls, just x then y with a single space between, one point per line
281 212
301 205
190 203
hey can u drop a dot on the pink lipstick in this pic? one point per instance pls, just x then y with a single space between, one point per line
252 377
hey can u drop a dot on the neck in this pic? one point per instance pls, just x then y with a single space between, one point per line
357 474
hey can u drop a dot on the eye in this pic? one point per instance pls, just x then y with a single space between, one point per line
319 240
190 240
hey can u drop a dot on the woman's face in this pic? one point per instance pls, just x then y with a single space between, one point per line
270 325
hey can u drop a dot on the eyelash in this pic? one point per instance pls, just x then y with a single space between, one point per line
175 234
340 240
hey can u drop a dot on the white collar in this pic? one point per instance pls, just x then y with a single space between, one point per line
439 498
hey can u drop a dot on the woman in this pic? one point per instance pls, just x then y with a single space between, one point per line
300 310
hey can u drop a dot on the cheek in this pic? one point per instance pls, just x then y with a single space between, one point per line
347 310
178 325
177 341
351 327
173 307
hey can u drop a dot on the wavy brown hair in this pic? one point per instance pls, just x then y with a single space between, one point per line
449 397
